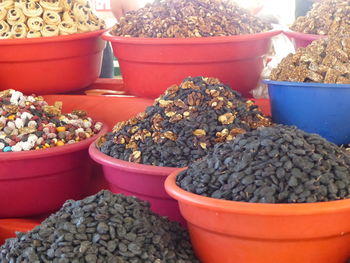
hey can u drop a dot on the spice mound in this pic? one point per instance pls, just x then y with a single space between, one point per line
183 124
106 227
327 17
277 164
189 18
46 18
324 61
29 123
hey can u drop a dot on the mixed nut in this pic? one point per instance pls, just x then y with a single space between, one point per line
183 124
189 18
29 123
324 61
279 164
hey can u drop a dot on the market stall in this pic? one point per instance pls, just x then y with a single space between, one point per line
173 161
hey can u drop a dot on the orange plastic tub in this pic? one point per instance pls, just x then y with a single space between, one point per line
9 227
237 232
50 65
150 65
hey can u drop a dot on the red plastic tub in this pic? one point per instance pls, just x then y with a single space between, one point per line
50 65
39 182
225 231
149 66
143 181
301 39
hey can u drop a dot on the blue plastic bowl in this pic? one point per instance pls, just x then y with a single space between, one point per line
313 107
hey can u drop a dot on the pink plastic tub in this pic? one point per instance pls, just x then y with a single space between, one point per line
143 181
301 39
149 66
50 65
39 182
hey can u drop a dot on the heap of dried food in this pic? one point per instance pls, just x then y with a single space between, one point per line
189 18
183 125
29 123
327 17
277 164
104 228
324 61
46 18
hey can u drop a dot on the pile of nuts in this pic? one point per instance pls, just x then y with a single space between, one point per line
104 228
324 61
327 17
183 125
277 164
46 18
189 18
29 123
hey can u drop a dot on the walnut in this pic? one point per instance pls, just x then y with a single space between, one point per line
6 93
120 139
199 132
187 85
133 129
175 118
118 126
52 110
157 121
135 157
79 113
11 108
131 145
101 140
170 113
194 99
227 118
172 89
132 121
236 131
141 116
170 135
165 103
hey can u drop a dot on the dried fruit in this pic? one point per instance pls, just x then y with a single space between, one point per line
189 18
191 129
277 164
106 227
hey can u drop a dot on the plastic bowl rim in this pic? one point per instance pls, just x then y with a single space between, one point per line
106 160
306 84
304 36
50 152
262 209
191 40
55 39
